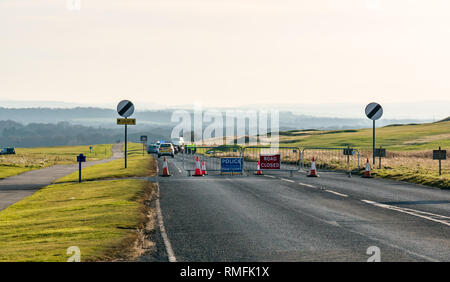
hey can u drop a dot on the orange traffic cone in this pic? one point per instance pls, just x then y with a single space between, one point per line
258 170
313 172
165 168
198 171
367 171
204 169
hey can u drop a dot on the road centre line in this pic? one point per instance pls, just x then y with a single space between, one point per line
307 185
425 215
288 180
336 193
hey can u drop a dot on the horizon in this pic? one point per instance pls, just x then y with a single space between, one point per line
424 110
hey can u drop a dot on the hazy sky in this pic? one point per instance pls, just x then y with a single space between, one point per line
225 52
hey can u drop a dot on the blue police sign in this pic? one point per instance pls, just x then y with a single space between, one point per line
81 158
231 165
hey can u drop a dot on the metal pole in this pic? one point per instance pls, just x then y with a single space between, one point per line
126 142
440 172
373 145
379 159
79 172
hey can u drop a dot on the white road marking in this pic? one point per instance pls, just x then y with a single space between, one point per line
307 185
269 176
288 180
166 240
425 215
336 193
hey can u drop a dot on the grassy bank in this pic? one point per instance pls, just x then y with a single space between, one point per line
138 166
409 150
100 218
396 137
27 159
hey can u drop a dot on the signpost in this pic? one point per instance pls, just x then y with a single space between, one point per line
144 139
125 109
440 155
126 121
380 153
231 165
270 161
348 152
80 159
374 111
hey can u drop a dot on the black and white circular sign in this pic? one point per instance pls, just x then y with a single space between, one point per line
125 108
374 111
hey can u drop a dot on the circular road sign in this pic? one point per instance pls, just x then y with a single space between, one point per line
125 108
374 111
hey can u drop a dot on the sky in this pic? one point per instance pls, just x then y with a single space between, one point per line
225 52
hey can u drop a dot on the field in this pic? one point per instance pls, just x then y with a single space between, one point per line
27 159
409 149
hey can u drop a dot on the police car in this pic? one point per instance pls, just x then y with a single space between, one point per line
166 149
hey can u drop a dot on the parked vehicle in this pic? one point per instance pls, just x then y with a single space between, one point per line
152 149
8 151
166 149
178 144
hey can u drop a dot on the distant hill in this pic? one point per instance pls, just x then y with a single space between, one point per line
162 118
445 119
396 137
14 134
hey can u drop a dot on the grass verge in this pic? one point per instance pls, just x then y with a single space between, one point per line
100 218
138 166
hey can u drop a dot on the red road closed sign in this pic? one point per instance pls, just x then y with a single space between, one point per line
270 161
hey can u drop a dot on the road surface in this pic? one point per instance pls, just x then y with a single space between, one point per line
280 218
15 188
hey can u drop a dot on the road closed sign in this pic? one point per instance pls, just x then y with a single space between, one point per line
231 165
270 161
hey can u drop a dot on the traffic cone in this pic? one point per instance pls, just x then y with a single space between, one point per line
258 170
204 169
165 168
313 172
367 171
198 171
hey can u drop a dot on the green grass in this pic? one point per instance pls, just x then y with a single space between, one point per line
409 149
138 166
415 175
397 138
27 159
100 218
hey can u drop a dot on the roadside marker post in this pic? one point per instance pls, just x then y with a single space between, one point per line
348 152
380 153
125 109
80 159
440 155
144 139
374 111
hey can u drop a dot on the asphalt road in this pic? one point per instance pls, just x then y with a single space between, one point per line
15 188
280 218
